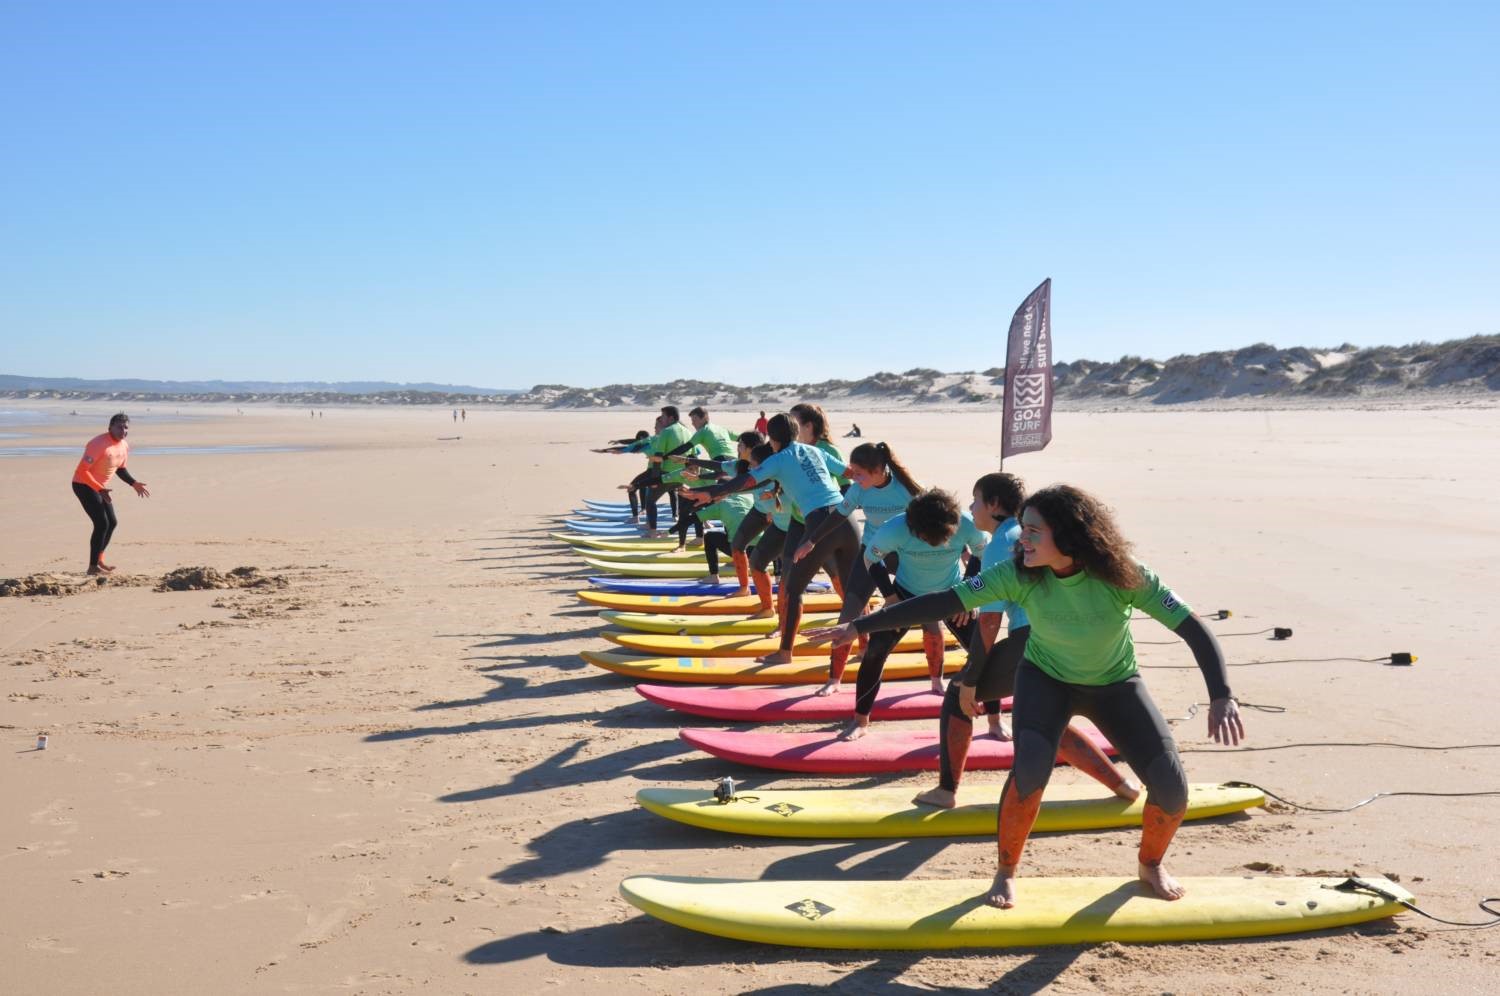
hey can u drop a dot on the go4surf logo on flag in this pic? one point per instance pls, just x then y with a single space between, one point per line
1028 375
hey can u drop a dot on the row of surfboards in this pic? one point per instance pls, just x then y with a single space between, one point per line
693 651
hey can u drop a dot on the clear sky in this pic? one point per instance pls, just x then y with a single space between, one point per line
506 193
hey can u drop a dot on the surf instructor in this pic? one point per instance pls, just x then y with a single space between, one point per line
104 457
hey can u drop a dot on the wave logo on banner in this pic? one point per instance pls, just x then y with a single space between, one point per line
1028 375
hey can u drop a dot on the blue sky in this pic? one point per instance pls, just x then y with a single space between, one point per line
503 194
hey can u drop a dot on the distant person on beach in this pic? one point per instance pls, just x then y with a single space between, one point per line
463 414
455 414
1077 582
853 432
104 457
761 424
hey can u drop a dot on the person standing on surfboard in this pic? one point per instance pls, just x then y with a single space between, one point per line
990 673
1074 576
806 479
882 488
925 544
104 457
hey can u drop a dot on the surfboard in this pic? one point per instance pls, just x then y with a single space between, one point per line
737 646
744 670
647 557
630 569
601 528
668 586
951 913
877 751
740 625
585 542
628 597
618 506
770 704
889 812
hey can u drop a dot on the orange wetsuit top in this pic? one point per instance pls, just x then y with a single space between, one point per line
101 458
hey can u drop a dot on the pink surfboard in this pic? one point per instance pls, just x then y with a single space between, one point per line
797 703
877 751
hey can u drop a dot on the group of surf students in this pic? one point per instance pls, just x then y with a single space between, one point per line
1054 563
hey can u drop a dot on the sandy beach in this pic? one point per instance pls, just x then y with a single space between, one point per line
389 771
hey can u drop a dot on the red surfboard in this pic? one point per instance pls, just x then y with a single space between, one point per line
877 751
796 703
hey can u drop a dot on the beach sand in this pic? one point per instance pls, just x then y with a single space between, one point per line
394 773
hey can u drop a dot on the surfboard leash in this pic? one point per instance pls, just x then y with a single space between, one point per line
1363 802
1360 885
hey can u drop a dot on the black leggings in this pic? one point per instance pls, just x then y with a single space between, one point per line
638 491
837 550
753 524
872 664
102 514
1124 713
687 515
767 549
715 542
993 674
858 587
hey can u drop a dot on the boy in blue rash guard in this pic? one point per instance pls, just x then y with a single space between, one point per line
882 489
927 543
803 473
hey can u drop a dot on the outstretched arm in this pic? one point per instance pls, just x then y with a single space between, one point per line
1224 723
825 528
702 496
903 615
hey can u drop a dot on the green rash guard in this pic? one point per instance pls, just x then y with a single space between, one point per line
720 443
1080 626
665 442
837 465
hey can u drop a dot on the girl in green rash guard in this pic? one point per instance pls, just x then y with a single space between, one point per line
882 488
803 473
1075 579
731 511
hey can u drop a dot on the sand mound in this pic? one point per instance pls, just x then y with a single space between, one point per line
201 578
48 584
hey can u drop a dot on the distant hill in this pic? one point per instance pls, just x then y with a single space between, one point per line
1297 375
10 383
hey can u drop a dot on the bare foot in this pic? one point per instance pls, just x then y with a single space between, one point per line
831 686
710 579
998 730
1128 790
1164 885
937 687
1002 893
939 797
778 657
93 571
742 593
679 549
854 730
106 568
763 614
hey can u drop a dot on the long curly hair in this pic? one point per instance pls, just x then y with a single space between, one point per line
1084 529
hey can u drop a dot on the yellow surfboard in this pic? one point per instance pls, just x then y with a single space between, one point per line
737 646
694 569
628 545
744 670
654 557
656 622
951 913
889 812
694 605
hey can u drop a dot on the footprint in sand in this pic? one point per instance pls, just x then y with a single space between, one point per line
53 814
53 944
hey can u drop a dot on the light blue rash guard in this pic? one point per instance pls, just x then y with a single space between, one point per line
923 568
